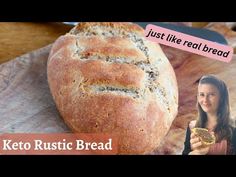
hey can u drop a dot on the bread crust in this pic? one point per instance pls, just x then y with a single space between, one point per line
107 78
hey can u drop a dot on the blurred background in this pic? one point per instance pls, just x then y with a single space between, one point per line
18 38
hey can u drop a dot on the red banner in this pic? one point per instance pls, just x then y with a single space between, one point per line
58 144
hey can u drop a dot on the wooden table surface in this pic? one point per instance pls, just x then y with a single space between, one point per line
18 38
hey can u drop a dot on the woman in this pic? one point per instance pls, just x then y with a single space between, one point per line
213 114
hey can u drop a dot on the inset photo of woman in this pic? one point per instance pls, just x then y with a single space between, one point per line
213 117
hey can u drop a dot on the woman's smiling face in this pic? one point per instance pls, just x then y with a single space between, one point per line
208 98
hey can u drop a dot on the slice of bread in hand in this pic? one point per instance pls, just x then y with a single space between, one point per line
205 136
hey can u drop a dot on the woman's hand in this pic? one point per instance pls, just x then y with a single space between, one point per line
200 151
197 146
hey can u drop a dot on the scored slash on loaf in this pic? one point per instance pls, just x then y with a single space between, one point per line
107 78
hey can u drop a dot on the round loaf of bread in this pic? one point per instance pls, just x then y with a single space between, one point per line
108 78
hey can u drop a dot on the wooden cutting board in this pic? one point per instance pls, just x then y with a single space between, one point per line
26 104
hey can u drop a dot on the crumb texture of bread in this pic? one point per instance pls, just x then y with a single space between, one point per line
205 136
107 78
